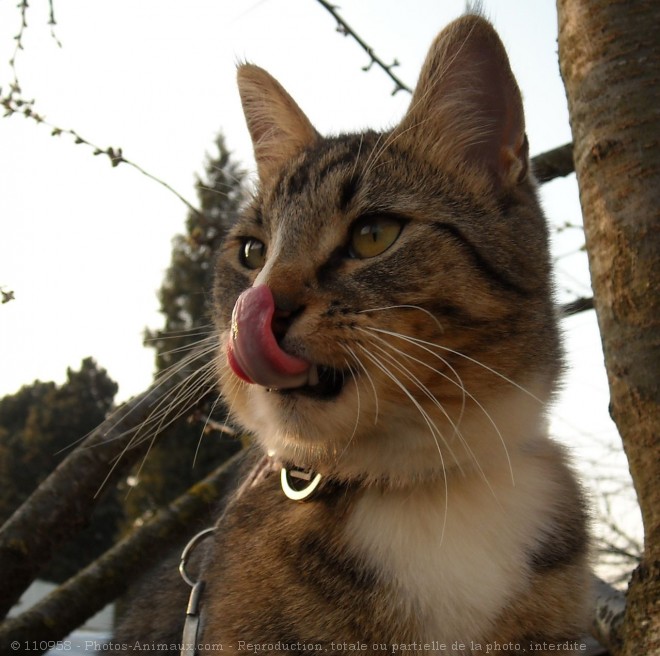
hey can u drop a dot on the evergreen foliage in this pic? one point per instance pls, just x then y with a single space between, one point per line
187 450
38 426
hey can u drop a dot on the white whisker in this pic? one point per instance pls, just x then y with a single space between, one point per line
456 424
432 427
203 431
357 414
409 307
180 394
432 345
352 353
488 416
410 376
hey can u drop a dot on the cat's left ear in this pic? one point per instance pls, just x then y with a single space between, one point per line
466 112
278 127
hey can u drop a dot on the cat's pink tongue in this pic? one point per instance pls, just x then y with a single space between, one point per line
253 352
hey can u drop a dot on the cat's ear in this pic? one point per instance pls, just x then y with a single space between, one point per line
278 127
466 110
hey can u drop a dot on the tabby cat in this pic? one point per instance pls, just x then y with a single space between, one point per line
386 331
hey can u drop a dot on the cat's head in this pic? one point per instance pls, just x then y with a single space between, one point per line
385 299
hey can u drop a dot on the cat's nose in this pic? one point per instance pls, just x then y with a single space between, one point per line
287 310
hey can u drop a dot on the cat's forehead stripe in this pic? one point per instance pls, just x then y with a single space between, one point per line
319 164
348 191
252 217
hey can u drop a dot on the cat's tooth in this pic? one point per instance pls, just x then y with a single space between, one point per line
313 378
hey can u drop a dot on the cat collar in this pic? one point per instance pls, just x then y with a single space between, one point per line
299 484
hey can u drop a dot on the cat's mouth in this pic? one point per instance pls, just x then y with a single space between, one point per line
255 355
322 383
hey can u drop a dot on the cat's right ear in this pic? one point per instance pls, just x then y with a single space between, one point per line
466 113
278 127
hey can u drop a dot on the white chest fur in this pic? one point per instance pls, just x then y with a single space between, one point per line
456 554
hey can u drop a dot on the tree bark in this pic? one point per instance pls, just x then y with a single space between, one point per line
64 502
100 583
610 62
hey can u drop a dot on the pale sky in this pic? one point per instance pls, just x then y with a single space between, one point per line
84 246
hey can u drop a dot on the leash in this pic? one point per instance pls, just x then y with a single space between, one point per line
191 624
298 484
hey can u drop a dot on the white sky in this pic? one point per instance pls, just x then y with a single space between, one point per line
84 246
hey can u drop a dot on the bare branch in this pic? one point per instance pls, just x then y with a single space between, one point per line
547 166
15 87
30 536
344 28
575 307
555 163
69 605
14 103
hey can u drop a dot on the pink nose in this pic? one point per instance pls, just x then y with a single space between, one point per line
252 350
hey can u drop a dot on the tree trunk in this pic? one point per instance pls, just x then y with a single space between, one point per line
610 61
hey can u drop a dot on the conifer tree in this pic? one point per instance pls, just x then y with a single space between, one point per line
188 449
38 427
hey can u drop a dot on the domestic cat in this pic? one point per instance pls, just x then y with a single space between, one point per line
386 331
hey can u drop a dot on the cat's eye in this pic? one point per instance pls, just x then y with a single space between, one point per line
371 236
253 253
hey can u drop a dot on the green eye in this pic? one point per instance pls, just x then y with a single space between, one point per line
372 236
253 253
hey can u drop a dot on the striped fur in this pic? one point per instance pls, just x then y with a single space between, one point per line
460 520
448 517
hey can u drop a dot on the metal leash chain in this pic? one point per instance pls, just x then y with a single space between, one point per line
191 625
297 483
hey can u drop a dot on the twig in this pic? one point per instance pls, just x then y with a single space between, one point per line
618 554
15 103
15 87
52 22
630 551
575 307
547 166
344 28
7 295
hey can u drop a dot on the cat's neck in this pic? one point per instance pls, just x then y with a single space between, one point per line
399 452
456 535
